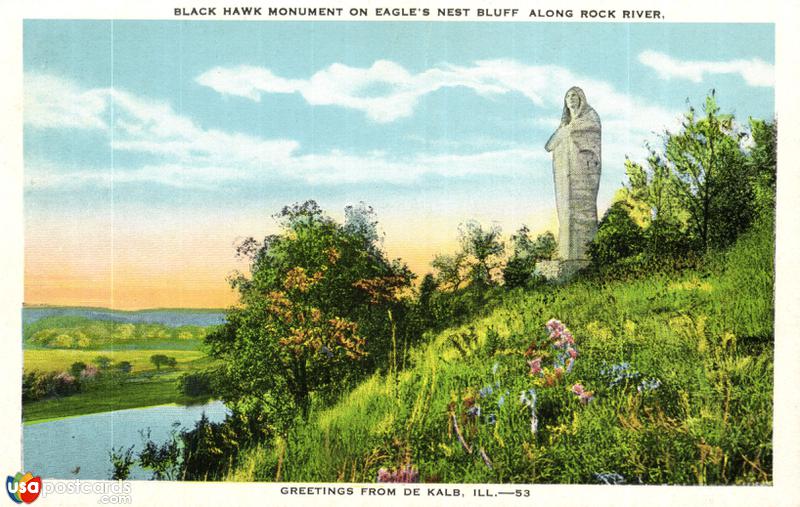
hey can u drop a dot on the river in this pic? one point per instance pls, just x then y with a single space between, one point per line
78 447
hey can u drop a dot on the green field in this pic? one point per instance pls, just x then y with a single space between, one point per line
705 335
144 386
158 389
61 359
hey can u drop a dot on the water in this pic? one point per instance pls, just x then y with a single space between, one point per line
56 449
172 318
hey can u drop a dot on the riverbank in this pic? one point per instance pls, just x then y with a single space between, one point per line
146 388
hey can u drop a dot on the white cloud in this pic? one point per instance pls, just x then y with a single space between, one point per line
54 102
755 72
192 156
386 91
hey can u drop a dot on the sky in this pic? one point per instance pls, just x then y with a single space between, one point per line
152 147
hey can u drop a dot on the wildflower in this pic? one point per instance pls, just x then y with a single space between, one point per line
404 474
89 372
649 385
407 474
583 395
65 378
555 327
559 372
492 419
486 391
495 366
384 475
474 411
570 364
536 366
528 398
501 401
572 353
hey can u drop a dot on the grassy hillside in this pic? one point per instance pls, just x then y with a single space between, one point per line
679 370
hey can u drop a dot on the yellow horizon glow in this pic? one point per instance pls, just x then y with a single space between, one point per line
77 261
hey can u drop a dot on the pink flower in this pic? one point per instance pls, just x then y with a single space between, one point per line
536 366
583 395
384 475
555 327
89 372
572 353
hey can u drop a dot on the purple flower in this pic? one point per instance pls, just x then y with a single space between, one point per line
384 475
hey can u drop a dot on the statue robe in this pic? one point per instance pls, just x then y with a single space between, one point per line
576 172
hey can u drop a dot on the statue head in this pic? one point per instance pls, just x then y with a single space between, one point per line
574 104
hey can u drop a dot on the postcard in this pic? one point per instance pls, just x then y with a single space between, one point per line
365 253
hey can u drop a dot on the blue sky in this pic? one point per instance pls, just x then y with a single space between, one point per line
188 126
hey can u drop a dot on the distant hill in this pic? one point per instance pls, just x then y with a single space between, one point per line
172 317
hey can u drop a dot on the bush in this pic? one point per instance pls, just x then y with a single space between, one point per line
196 384
618 237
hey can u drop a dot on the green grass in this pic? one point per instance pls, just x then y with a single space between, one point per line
706 335
145 386
61 359
158 389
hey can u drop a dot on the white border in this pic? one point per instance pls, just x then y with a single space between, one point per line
787 351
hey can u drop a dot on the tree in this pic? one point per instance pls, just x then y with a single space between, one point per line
484 249
158 360
77 368
121 462
103 362
125 367
708 175
450 270
520 270
313 312
763 164
618 236
545 246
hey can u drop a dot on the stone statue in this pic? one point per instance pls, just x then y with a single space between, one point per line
576 170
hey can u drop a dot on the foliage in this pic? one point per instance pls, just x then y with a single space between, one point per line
161 459
163 360
450 270
520 269
710 182
618 236
483 250
673 385
77 368
197 383
314 314
103 362
126 366
38 386
121 462
77 332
